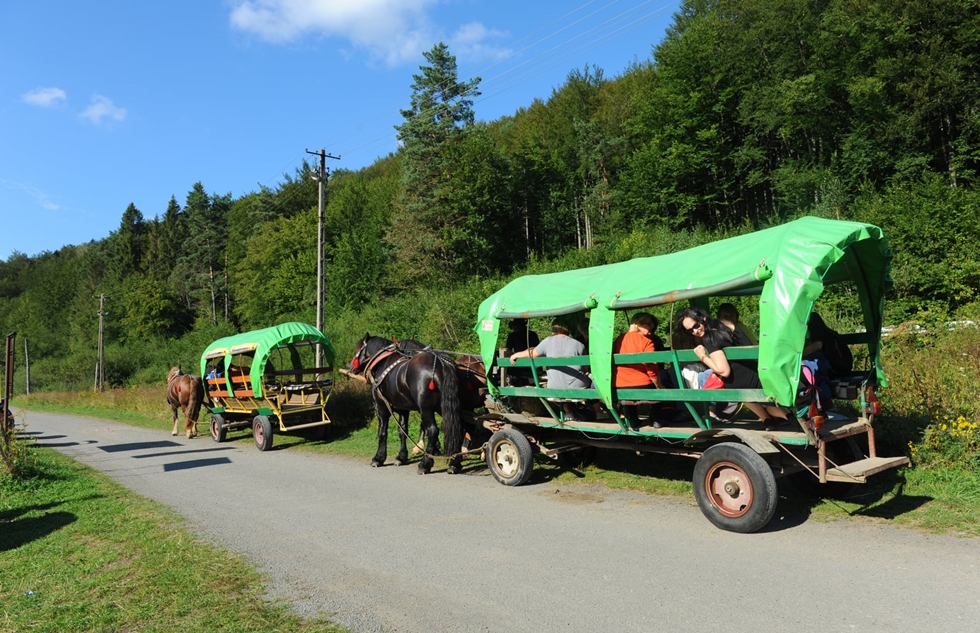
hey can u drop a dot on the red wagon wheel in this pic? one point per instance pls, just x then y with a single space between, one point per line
735 487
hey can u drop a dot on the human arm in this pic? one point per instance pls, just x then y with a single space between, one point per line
528 353
813 348
716 361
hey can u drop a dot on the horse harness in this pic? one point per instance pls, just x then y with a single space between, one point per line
170 382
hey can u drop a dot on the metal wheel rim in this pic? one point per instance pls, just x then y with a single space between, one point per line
506 459
717 485
259 435
214 428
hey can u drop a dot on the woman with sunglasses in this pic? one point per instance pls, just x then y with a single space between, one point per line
714 337
691 322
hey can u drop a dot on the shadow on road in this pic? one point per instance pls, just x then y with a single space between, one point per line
195 463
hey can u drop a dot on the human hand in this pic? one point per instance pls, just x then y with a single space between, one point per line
700 351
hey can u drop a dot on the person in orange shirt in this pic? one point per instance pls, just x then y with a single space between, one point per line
638 375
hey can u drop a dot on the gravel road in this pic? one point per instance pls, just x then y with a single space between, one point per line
383 549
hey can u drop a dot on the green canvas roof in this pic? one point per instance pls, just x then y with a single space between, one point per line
263 342
787 265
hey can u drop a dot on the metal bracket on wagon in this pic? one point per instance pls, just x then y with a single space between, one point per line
752 439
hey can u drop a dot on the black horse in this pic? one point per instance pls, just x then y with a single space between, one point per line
411 380
470 372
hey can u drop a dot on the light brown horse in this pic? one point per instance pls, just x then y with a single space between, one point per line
187 392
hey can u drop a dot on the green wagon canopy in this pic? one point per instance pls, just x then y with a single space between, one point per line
787 265
263 342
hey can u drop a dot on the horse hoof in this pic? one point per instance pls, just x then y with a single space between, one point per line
375 463
453 470
423 471
174 434
401 462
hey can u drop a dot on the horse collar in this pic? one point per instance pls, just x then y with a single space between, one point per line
384 374
377 358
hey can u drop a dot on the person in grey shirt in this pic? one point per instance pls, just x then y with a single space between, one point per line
560 343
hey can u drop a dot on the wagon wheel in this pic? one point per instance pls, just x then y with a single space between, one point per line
840 452
509 457
735 487
218 429
262 432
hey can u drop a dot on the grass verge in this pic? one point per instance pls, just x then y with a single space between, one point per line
81 553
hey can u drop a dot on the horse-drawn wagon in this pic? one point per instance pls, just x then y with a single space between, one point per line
787 267
267 380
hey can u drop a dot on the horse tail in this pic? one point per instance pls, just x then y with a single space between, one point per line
194 399
452 425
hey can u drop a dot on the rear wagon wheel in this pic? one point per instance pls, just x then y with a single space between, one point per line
262 432
735 487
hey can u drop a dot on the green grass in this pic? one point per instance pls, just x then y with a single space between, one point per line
81 553
942 500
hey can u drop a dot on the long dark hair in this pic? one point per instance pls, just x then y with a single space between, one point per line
717 335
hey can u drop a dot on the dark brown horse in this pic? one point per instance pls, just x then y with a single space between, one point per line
417 380
186 392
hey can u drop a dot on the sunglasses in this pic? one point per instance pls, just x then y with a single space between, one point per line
690 330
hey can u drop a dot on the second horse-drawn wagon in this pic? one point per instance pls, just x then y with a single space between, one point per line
787 268
267 380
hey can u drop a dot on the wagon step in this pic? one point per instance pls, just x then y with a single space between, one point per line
858 471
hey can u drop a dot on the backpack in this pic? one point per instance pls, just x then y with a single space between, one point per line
814 384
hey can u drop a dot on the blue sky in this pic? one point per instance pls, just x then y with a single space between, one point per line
111 102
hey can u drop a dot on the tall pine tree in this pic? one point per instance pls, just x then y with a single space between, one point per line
440 117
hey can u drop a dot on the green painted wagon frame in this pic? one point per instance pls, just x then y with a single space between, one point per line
788 267
257 379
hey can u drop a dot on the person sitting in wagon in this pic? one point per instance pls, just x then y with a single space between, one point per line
520 338
728 314
734 374
638 375
561 344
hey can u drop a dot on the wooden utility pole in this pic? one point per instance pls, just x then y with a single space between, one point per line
100 364
27 368
321 176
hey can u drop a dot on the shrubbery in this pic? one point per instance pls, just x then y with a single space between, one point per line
932 406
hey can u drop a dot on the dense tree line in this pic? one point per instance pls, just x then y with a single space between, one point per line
748 113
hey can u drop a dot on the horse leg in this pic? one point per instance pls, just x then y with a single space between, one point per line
189 425
173 409
402 458
431 432
383 416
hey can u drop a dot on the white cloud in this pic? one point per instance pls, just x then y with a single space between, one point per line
395 31
42 199
102 108
44 97
470 40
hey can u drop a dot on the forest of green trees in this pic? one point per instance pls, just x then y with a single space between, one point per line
747 114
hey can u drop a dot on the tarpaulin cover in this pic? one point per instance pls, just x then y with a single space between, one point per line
264 342
788 265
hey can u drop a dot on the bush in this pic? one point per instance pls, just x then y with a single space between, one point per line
932 408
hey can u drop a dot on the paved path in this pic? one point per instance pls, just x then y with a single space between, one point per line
387 550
